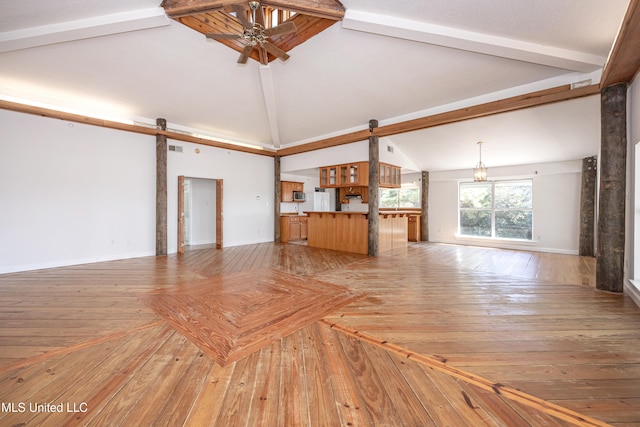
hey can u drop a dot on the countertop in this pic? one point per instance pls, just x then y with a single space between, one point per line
386 213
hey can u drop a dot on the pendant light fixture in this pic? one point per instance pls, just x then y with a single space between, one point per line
480 171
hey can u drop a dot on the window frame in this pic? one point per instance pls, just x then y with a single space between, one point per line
493 210
399 190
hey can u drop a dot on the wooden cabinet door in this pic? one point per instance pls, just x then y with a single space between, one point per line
304 228
353 174
363 174
294 229
385 174
333 176
344 175
389 176
324 177
286 192
414 228
284 229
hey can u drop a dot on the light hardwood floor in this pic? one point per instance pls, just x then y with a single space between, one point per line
441 335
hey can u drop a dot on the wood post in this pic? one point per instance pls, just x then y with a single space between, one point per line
374 190
424 204
276 199
219 214
161 189
586 246
613 176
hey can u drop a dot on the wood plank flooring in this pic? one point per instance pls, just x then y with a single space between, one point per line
233 315
443 335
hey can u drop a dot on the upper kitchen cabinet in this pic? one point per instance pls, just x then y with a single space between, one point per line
287 190
389 176
346 175
357 174
354 174
329 176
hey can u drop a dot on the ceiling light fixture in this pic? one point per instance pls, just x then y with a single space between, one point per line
480 171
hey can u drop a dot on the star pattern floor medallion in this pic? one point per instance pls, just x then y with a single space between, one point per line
233 315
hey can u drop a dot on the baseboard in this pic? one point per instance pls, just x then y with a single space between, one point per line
505 244
70 262
633 290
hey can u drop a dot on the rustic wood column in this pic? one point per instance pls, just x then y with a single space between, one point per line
586 245
374 190
611 207
424 204
161 189
276 199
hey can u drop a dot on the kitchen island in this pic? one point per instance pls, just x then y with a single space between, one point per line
348 231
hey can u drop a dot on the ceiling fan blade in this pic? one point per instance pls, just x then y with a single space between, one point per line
276 51
241 15
264 58
284 28
244 56
222 36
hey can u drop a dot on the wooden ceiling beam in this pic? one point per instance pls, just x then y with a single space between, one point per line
179 8
127 127
328 9
624 61
533 99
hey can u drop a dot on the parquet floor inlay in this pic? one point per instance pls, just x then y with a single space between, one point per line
230 316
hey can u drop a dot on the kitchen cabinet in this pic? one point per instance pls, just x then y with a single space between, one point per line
293 227
414 228
329 176
389 176
347 192
345 175
304 230
287 188
357 175
354 174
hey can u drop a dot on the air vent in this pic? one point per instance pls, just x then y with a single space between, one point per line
176 148
578 85
389 149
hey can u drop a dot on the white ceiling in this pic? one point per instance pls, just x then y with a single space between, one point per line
390 61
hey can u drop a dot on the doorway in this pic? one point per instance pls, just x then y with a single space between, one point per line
199 212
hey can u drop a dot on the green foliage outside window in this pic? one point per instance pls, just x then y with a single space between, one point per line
399 198
500 209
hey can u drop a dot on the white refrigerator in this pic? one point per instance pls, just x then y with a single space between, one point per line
317 201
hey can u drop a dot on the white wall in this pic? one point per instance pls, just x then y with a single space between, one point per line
248 194
556 213
73 193
354 152
203 211
633 119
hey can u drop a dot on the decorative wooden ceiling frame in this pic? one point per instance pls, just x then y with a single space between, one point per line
207 16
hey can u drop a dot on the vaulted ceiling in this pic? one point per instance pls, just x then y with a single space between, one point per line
386 60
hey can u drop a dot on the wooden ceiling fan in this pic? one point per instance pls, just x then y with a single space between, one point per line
255 35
